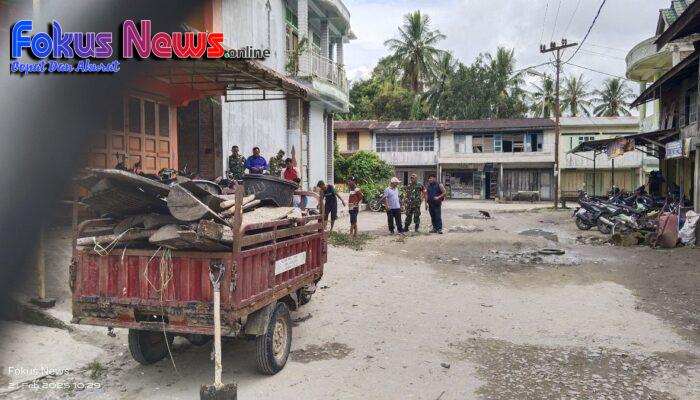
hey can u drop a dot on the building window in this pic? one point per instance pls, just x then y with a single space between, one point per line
149 111
477 144
460 143
163 120
405 143
353 141
583 139
691 107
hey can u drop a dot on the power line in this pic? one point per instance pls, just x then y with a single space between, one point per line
597 14
601 54
606 47
544 20
556 18
572 17
600 72
531 67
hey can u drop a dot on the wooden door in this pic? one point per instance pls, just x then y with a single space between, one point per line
140 128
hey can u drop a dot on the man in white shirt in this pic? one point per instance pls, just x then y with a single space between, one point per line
392 205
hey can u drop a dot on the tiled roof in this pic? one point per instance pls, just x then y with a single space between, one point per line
671 14
459 125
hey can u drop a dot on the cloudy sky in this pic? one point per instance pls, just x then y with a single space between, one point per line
477 26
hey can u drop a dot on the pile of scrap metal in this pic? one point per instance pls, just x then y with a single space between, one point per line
141 212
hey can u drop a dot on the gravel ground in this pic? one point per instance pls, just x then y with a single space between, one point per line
474 313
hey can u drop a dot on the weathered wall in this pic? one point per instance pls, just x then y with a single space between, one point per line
317 145
263 123
447 154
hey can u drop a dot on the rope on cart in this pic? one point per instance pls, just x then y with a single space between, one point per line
105 250
165 272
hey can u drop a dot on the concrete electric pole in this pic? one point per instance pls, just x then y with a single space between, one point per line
557 49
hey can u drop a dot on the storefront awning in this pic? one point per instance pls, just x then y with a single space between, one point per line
658 138
680 71
235 79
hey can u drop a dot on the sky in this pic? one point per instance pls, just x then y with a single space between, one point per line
479 26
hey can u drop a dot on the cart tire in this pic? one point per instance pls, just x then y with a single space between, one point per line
272 348
148 347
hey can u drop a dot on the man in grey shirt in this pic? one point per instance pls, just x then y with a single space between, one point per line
392 204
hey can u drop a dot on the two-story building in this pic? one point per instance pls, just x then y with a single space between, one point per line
306 39
595 173
675 90
497 158
476 159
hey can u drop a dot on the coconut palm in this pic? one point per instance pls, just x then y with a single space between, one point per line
543 97
414 50
613 99
505 82
435 94
575 96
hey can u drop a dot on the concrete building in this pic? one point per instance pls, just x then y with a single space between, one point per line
306 39
352 136
476 159
488 159
579 171
672 88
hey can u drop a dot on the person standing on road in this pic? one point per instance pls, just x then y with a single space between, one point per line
256 164
354 204
392 205
236 164
435 194
330 202
413 199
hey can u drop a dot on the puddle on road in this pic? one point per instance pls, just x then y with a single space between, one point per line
515 371
551 236
326 351
475 215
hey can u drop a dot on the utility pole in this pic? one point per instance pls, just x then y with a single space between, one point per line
553 47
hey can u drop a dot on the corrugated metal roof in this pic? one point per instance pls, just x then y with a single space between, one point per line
598 121
459 125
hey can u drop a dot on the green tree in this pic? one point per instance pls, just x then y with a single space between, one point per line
367 167
508 95
613 99
435 94
414 51
575 96
543 97
340 166
469 93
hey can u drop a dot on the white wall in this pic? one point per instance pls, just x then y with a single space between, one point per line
262 123
317 145
448 155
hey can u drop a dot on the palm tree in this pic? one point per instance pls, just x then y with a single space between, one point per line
575 96
613 99
504 81
414 51
444 70
543 97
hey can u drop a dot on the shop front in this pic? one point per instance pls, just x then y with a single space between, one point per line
491 181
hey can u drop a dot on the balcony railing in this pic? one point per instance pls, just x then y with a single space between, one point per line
321 67
324 68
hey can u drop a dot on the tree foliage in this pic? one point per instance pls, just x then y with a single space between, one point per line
613 99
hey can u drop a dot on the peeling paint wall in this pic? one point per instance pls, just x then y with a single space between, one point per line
317 145
262 123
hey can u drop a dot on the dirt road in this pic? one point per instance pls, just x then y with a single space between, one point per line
473 313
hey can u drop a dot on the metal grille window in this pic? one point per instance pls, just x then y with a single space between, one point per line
405 143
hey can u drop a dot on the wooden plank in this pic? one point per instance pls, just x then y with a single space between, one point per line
279 234
177 237
214 231
185 206
106 239
154 221
237 219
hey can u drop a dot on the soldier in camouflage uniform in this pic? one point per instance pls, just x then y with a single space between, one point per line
236 164
413 198
277 164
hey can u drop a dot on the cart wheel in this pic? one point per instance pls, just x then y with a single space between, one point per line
272 348
148 347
